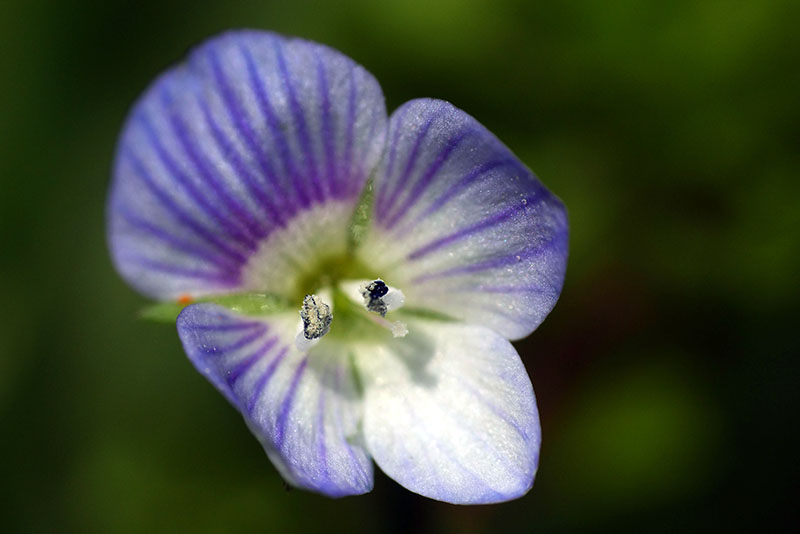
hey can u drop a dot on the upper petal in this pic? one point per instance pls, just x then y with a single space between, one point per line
461 225
303 407
449 413
229 148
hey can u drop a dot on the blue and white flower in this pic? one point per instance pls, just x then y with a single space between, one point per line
262 179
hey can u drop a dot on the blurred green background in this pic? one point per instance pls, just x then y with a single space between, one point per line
667 376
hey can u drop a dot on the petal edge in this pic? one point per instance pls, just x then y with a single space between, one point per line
450 414
462 226
229 146
303 408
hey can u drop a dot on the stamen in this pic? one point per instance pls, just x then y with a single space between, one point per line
377 289
397 328
380 298
316 316
373 293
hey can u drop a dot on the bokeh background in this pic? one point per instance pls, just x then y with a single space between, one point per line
667 376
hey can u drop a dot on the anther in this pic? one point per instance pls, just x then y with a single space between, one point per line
316 316
378 298
377 289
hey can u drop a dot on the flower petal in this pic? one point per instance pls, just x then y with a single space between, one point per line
304 408
449 413
223 151
462 226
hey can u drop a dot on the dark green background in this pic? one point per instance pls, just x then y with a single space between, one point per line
667 376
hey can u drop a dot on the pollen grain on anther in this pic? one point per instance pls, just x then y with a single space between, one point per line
316 316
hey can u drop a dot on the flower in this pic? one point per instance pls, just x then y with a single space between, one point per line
356 279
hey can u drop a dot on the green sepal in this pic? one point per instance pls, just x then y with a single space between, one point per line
162 312
359 223
253 303
242 303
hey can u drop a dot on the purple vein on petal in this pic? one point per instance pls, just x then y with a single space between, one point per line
447 450
500 413
245 128
177 270
228 327
347 170
504 289
179 213
464 183
275 127
233 158
189 187
412 160
238 344
301 128
497 309
556 242
463 233
286 405
175 242
427 178
487 445
209 176
247 363
264 379
327 129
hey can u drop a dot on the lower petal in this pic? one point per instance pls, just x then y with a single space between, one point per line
449 413
303 407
